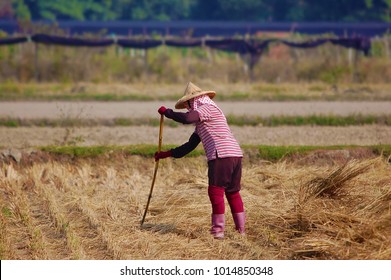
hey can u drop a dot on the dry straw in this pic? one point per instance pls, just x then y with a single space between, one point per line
332 184
91 209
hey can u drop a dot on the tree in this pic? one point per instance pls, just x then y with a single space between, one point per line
341 10
232 10
387 13
22 11
122 9
161 9
64 9
229 10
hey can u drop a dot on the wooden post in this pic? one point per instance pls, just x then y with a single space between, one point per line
146 68
145 53
386 46
253 60
209 51
36 62
354 58
350 57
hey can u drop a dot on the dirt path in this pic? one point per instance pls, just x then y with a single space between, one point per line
148 109
25 137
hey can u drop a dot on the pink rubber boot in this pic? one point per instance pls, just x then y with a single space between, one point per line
240 220
216 195
218 224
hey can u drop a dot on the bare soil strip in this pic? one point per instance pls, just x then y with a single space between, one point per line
109 110
25 137
28 137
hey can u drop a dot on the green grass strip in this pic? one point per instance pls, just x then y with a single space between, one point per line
273 121
91 151
318 120
270 153
35 94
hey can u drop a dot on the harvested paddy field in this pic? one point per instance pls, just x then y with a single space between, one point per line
91 208
321 204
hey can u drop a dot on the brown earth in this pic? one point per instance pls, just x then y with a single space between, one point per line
26 137
108 110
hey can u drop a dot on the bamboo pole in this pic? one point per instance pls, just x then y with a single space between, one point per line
156 168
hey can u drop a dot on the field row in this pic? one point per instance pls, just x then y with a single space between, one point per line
30 137
61 110
91 208
233 120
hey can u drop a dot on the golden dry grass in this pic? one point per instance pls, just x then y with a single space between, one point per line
240 90
91 209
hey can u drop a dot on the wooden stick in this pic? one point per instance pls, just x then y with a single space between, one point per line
156 168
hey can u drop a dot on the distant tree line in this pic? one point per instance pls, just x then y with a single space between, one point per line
224 10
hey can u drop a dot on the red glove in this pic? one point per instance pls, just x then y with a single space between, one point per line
162 110
161 155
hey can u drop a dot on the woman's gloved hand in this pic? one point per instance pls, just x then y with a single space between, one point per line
161 155
162 110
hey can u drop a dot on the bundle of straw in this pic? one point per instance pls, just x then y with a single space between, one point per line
332 185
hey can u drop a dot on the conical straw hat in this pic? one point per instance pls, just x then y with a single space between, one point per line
191 92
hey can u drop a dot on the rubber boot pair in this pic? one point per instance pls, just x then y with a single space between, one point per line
218 224
216 195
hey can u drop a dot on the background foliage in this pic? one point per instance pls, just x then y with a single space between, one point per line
279 64
330 64
254 10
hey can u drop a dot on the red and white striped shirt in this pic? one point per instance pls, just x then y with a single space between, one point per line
213 130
